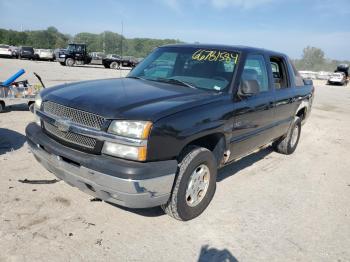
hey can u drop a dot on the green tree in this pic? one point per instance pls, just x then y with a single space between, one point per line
313 59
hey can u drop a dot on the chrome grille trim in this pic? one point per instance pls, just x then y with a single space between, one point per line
70 137
92 132
74 115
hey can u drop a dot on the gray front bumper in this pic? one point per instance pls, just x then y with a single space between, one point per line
131 193
125 192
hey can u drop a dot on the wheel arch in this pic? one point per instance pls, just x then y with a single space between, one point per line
214 142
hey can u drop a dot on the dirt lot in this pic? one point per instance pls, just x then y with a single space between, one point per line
267 207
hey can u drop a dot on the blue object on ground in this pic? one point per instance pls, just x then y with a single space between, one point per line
13 78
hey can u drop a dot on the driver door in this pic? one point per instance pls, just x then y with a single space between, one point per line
253 115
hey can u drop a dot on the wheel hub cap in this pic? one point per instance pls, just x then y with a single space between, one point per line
197 185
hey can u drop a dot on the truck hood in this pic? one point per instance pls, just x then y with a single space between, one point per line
126 98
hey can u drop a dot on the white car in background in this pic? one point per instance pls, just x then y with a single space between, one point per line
44 54
5 51
338 78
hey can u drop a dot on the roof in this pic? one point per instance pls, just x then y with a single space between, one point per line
239 48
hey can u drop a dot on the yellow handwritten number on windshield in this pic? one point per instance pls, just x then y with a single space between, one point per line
214 55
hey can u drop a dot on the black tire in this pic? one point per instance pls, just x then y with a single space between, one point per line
287 145
70 62
2 106
177 205
113 65
106 65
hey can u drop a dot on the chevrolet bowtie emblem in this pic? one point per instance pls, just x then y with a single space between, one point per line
62 125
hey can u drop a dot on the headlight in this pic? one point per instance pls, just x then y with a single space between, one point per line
125 151
37 105
132 129
38 101
62 55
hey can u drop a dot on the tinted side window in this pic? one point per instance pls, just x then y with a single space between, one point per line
255 69
279 73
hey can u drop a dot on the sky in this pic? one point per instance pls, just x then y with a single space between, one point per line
281 25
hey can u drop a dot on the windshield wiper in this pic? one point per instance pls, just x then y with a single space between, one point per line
176 82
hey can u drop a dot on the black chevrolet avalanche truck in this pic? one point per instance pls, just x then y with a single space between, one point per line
158 136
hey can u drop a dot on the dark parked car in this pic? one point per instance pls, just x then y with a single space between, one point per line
158 136
26 52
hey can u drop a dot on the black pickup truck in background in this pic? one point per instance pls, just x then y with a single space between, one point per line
74 54
158 136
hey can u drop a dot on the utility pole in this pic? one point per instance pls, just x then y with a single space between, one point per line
121 40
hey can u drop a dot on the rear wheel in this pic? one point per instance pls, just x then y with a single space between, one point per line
289 143
70 62
194 186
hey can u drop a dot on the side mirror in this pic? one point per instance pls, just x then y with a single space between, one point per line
249 87
308 82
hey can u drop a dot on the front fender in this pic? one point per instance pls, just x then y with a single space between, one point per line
171 134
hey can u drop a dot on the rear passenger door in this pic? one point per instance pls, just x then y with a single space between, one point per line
253 115
284 95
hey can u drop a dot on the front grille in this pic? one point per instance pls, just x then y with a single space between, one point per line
74 115
70 137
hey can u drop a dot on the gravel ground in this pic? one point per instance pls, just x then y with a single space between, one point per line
267 207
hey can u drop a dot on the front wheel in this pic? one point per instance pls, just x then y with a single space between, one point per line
289 143
194 186
114 65
70 62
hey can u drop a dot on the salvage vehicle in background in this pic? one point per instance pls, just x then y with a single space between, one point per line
44 54
338 78
112 61
97 57
5 51
129 61
26 52
158 136
115 61
75 54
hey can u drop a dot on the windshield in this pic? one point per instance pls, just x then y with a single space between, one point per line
74 48
208 69
27 48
